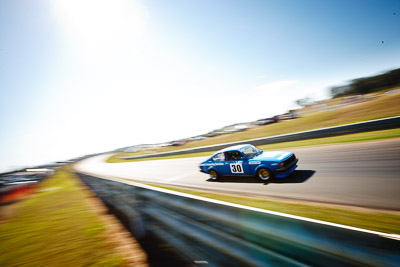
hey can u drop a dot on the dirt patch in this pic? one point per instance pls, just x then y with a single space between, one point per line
123 242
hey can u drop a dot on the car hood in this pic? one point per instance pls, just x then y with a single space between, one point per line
272 155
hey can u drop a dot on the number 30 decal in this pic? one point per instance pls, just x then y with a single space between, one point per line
236 168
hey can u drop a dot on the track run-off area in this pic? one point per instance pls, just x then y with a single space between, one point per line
365 174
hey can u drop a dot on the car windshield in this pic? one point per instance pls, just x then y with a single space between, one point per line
251 151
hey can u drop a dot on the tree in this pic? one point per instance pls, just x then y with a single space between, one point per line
341 90
304 102
367 85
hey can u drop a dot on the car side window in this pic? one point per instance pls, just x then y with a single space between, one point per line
219 157
233 155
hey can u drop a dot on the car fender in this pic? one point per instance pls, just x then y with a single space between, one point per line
212 168
263 166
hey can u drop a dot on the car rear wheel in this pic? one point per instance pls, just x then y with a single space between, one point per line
264 174
213 175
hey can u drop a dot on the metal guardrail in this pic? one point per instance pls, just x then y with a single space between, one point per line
224 234
373 125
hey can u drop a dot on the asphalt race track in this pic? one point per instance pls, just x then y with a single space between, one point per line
363 174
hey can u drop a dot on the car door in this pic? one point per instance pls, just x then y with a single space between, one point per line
234 163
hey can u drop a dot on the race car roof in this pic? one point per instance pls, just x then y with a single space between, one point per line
237 147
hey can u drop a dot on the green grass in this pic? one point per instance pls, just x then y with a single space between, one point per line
380 107
381 221
56 228
358 137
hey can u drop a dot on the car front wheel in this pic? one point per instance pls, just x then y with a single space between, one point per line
213 175
264 174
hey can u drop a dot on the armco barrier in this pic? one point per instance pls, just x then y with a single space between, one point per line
224 234
373 125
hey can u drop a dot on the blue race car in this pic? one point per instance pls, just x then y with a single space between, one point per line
248 160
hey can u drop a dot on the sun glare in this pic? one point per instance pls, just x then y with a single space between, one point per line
94 23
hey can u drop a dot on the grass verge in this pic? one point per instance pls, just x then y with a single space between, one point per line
382 221
358 137
56 227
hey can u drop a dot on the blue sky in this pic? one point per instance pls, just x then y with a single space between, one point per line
87 76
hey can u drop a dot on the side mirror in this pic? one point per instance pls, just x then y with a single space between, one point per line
244 158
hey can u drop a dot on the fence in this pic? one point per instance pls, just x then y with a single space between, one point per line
373 125
225 234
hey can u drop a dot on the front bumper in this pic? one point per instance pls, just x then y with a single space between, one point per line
285 173
284 169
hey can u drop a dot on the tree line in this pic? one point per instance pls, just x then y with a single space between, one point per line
367 85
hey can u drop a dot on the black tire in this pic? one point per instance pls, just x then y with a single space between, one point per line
214 175
264 174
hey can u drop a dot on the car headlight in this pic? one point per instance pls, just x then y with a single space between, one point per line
281 164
